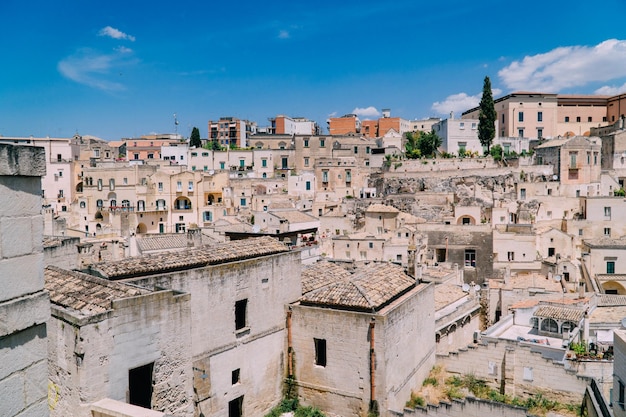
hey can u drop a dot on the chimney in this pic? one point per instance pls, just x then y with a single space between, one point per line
451 115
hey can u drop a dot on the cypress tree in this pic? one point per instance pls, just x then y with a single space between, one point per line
487 117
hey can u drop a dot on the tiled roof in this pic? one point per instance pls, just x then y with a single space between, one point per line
83 293
370 288
149 243
295 216
322 273
446 294
190 258
605 300
560 313
381 208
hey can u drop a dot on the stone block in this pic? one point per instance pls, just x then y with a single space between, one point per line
28 161
21 275
36 382
25 195
16 236
21 313
39 409
12 394
22 350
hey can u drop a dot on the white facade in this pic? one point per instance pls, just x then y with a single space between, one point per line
458 135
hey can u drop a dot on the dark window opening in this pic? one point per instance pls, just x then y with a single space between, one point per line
551 251
235 407
240 313
140 386
235 377
320 352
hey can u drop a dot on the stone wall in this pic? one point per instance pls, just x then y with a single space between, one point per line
404 346
24 306
218 349
90 357
525 368
469 407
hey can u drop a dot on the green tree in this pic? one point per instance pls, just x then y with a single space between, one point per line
428 143
496 151
194 139
487 116
411 149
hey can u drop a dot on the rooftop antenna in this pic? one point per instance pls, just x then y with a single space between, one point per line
175 125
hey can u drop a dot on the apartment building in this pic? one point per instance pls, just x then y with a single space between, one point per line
231 131
344 125
148 147
285 125
577 114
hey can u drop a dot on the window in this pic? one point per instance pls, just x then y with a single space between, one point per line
610 267
240 313
462 125
320 352
522 194
99 203
607 212
324 176
520 133
540 116
179 186
151 156
242 163
367 149
284 162
264 163
572 159
566 119
243 202
111 184
551 251
356 150
205 154
620 394
306 143
595 158
520 116
160 186
577 119
140 385
322 143
96 153
306 161
589 119
539 133
470 257
367 162
83 204
510 256
580 232
194 154
235 376
307 185
222 164
474 126
180 227
371 245
208 216
607 231
348 177
190 186
399 257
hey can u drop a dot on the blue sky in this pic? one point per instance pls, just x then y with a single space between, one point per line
117 69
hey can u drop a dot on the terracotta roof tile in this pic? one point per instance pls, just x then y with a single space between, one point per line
84 293
190 258
371 287
560 313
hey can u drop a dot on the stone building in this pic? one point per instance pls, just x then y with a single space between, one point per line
24 305
360 340
238 292
113 340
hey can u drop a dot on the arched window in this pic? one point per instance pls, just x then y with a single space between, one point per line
99 204
549 325
141 205
83 204
113 203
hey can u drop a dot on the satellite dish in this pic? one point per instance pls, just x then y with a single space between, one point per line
256 228
466 288
477 288
555 177
624 322
556 278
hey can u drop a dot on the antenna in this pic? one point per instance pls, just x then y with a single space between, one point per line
466 287
175 124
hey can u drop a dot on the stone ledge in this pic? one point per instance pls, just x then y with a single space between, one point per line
23 312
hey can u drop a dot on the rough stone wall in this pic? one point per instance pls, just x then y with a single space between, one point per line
404 346
217 348
469 407
485 361
24 306
90 358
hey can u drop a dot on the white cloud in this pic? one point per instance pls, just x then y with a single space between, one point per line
456 103
283 34
95 69
366 111
611 90
123 50
115 33
567 67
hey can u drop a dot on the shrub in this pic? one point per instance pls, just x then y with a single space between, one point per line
415 401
